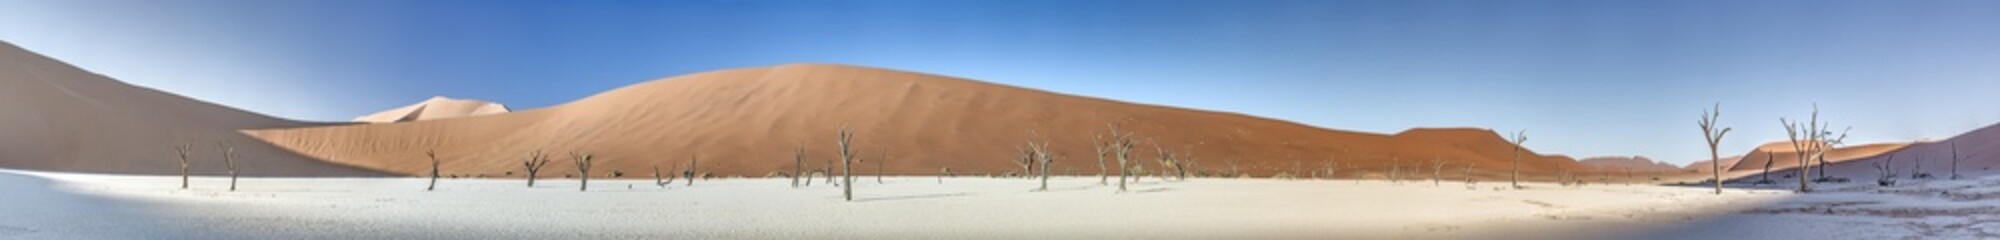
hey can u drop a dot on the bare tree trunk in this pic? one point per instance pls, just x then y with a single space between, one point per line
534 164
1098 142
1954 161
799 165
659 181
1769 157
1437 171
694 162
1468 175
1121 144
846 164
879 164
229 161
582 169
1519 137
184 149
434 170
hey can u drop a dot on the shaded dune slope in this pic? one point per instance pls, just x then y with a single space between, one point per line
61 118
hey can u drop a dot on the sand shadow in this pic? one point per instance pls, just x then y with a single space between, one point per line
1153 190
914 197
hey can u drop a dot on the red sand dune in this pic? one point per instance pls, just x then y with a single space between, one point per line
747 122
61 118
438 107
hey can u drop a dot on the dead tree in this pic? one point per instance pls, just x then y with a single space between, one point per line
1395 168
942 172
1039 153
658 181
1025 158
184 149
1769 157
1954 160
1518 138
883 159
534 164
434 169
1804 147
1886 171
1917 172
1714 138
229 161
799 165
846 164
1103 148
694 161
1437 171
1468 175
1121 144
582 169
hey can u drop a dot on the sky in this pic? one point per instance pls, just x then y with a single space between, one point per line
1583 78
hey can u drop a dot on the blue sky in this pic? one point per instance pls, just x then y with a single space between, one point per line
1585 78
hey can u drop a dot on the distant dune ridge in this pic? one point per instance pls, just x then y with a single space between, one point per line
61 118
1633 163
747 121
438 107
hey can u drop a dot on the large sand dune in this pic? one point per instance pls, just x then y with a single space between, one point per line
54 116
438 107
748 121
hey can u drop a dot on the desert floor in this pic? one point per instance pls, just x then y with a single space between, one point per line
43 205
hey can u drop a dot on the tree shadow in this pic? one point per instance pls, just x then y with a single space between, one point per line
913 197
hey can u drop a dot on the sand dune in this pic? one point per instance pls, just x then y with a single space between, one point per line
747 122
1978 152
1787 157
1633 163
60 118
438 107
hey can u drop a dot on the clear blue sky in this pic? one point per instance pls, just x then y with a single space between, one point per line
1584 77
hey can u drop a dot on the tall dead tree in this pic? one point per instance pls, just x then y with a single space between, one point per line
1468 175
1886 171
1517 138
799 165
1437 171
1121 145
1769 157
534 164
1040 154
183 149
434 169
1395 167
846 164
1103 148
582 169
659 181
229 161
1714 138
1954 160
1803 148
1025 158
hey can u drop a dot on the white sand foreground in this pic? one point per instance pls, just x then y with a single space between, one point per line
43 205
